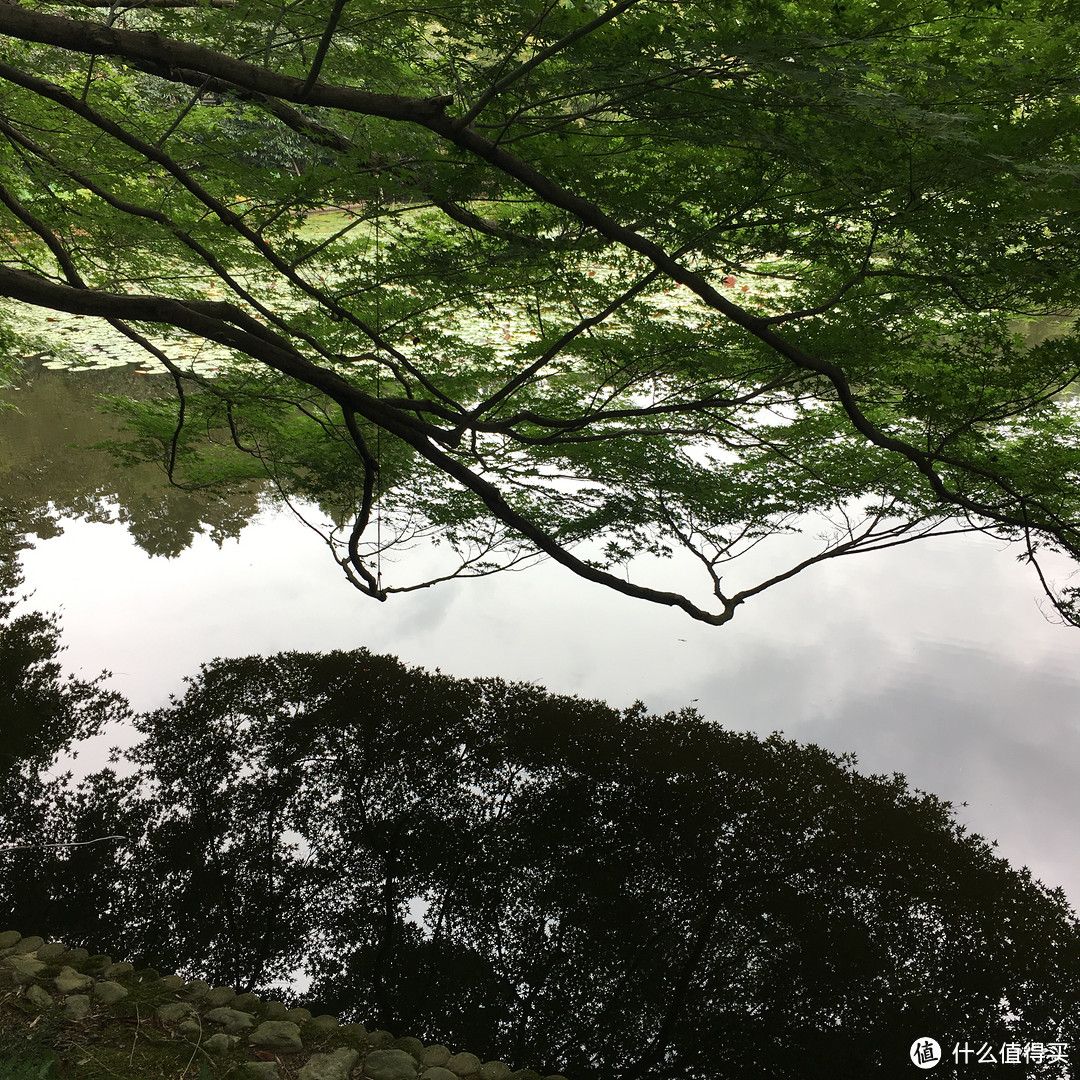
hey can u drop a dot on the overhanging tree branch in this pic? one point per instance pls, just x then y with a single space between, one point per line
430 113
615 373
175 57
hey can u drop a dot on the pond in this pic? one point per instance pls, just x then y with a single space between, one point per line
936 660
933 660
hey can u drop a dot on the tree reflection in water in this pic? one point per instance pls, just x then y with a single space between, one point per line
56 470
542 879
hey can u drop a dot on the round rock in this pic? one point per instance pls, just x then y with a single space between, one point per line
282 1036
220 1043
336 1066
260 1070
92 965
77 1006
437 1072
464 1064
435 1055
321 1023
24 969
494 1070
390 1065
174 1011
109 993
39 996
220 995
70 981
232 1020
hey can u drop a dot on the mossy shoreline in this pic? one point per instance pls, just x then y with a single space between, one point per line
67 1014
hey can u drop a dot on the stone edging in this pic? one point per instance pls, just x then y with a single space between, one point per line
219 1022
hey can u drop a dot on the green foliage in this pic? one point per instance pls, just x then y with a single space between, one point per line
299 443
610 281
28 1070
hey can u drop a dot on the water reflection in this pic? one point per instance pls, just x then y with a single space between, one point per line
856 657
546 880
49 471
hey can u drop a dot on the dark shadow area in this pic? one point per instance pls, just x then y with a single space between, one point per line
538 879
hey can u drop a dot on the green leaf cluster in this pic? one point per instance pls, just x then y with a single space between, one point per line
632 278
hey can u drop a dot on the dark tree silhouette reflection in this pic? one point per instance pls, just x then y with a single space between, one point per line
553 882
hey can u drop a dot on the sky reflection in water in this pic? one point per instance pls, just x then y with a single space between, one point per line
933 660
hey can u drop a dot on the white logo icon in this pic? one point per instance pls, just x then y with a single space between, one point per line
925 1052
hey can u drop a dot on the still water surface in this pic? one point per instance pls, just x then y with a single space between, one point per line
934 660
596 895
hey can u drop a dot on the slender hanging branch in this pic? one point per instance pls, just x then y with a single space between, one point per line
542 56
324 45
